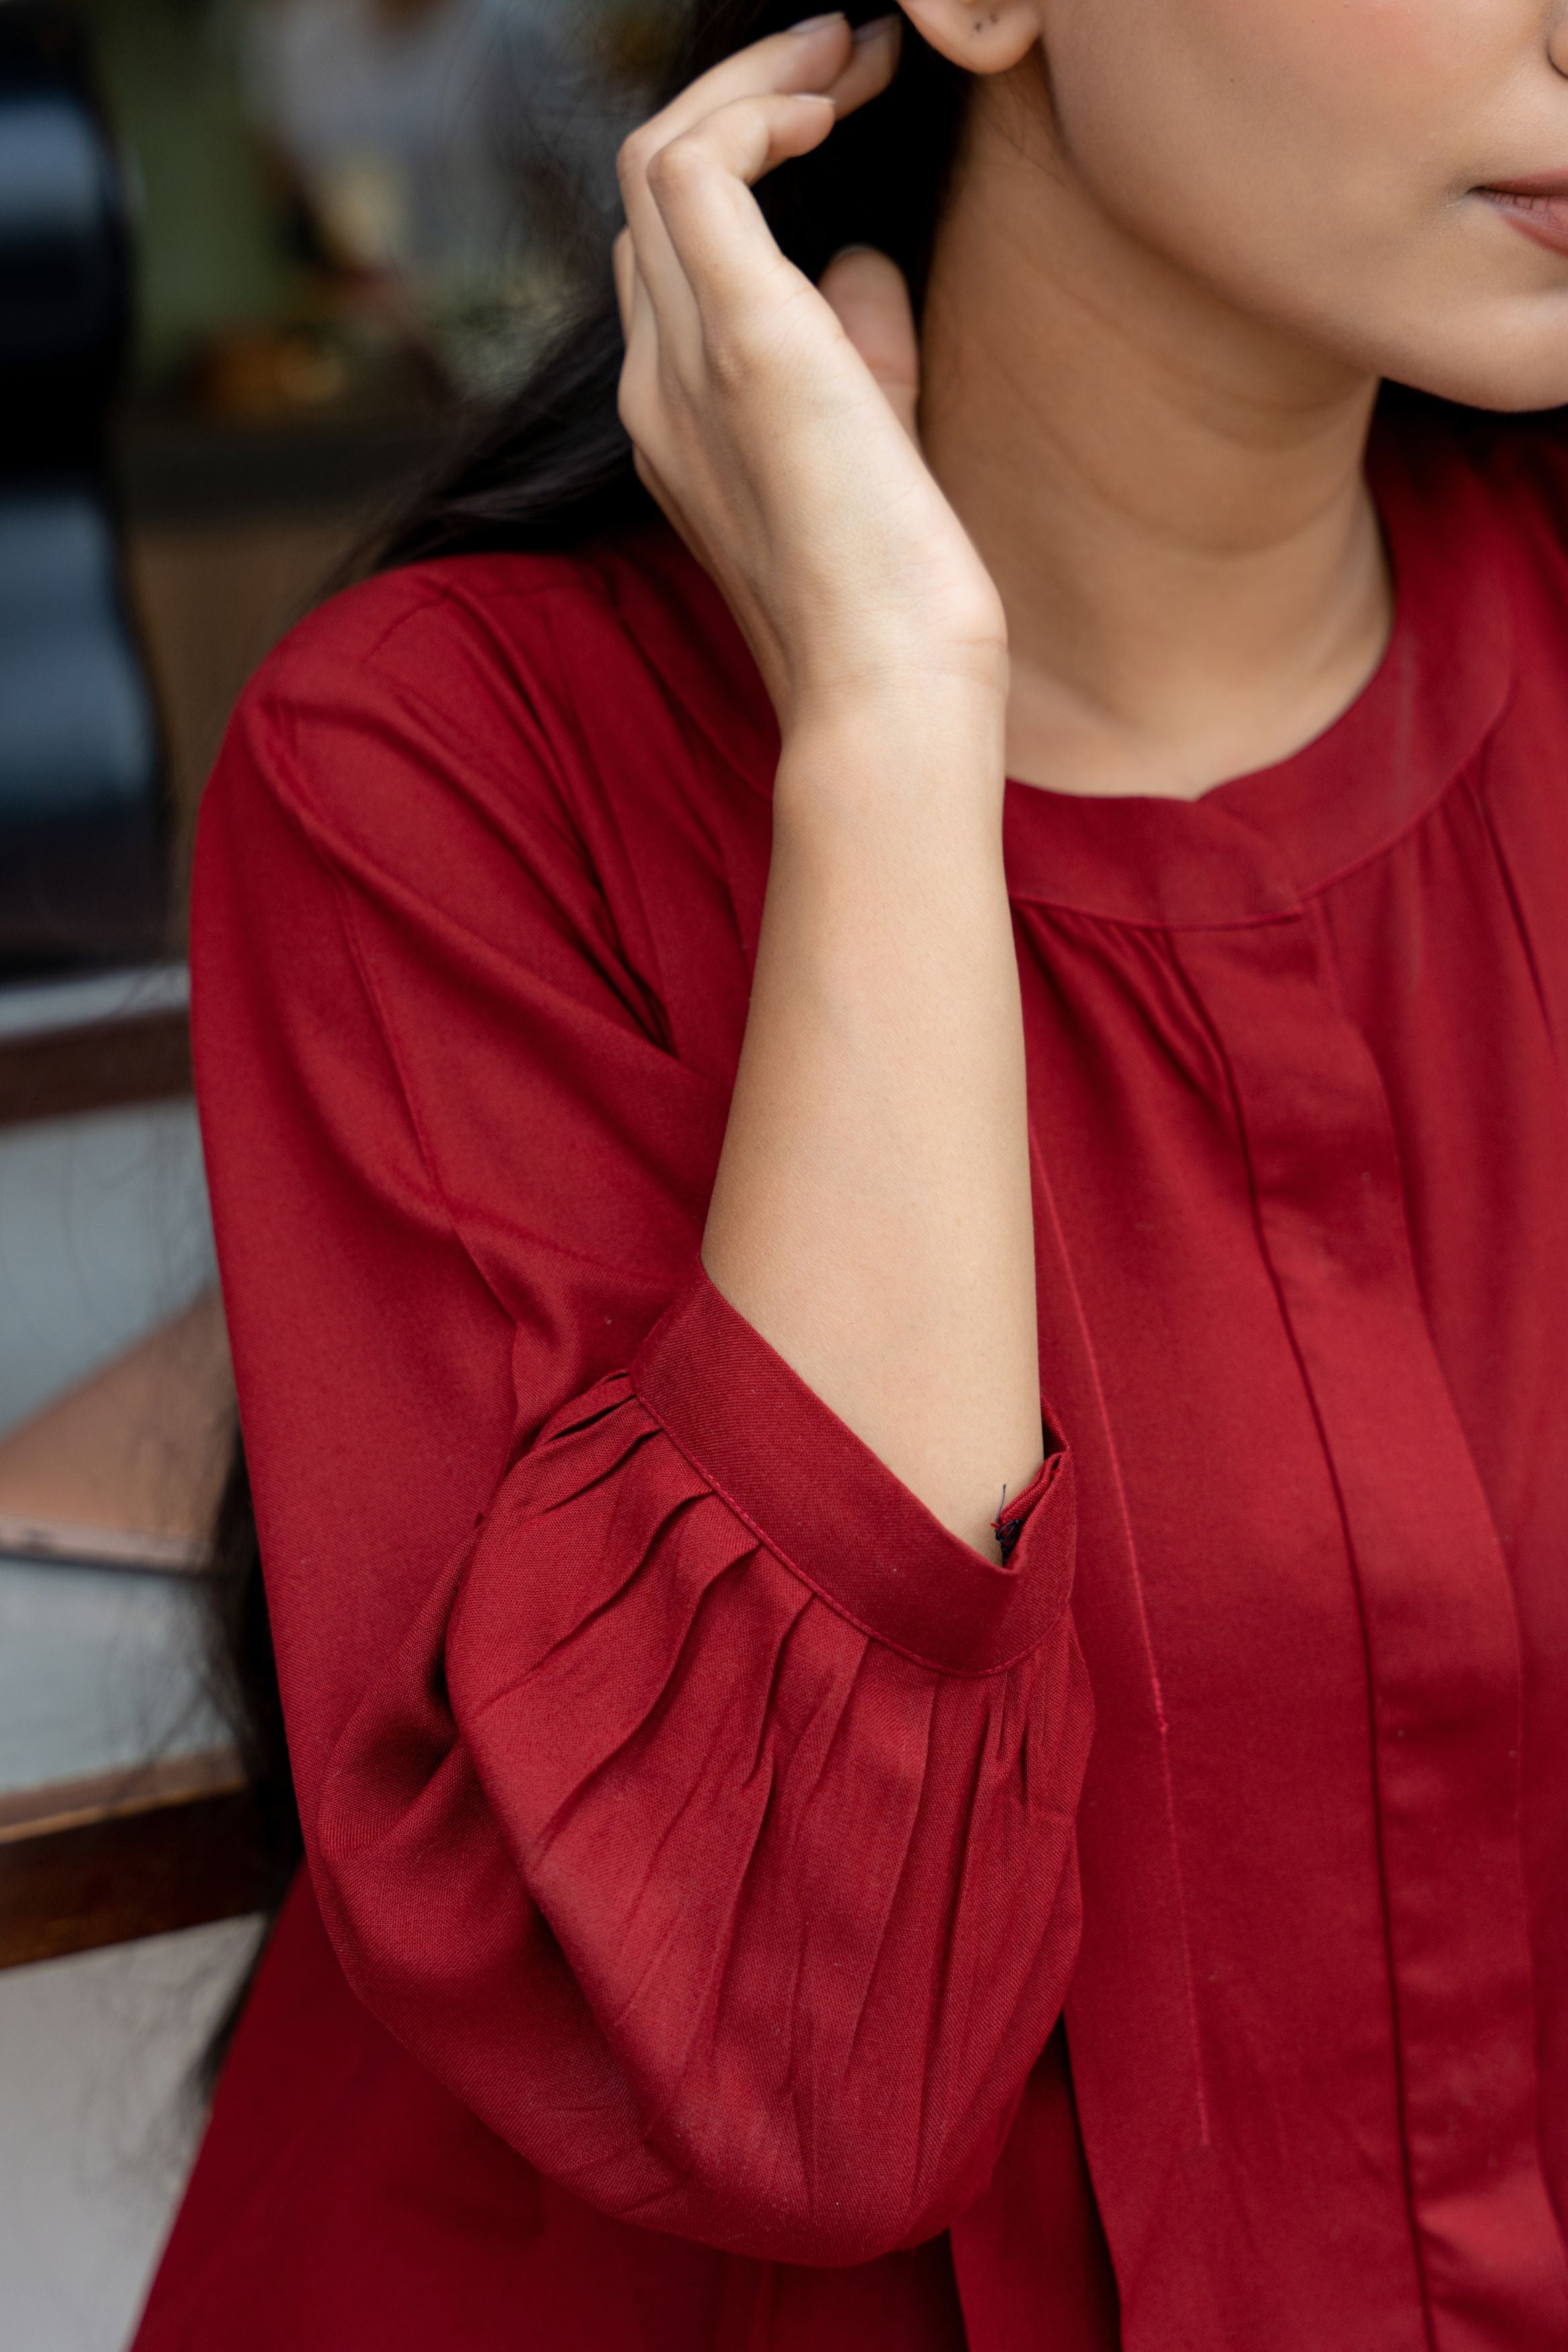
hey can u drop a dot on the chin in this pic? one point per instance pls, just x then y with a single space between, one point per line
1511 366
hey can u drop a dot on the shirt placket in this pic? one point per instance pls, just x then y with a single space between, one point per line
1437 1611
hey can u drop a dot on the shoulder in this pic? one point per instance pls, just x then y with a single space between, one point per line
525 679
435 627
556 763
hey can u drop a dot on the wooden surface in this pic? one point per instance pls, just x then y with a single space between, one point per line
102 1861
122 1470
127 1467
143 1058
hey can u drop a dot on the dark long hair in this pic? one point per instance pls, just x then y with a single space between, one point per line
552 468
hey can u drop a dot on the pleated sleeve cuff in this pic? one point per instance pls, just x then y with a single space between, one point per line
825 1504
713 1835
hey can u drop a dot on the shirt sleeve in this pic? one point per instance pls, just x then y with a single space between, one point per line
675 1786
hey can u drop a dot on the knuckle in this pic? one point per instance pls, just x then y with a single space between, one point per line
676 168
743 344
633 405
732 358
677 404
652 409
632 157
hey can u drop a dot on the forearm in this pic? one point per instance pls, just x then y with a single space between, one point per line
872 1215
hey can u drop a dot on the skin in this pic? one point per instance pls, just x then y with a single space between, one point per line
1129 550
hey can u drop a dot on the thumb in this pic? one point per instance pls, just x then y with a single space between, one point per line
867 294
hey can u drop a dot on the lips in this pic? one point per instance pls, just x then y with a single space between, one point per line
1539 207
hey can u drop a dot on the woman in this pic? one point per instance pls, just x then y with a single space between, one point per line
686 1633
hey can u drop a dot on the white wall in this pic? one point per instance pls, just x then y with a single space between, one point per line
100 1667
103 1234
97 2127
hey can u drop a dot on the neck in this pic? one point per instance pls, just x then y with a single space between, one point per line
1168 494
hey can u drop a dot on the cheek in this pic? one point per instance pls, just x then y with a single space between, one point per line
1399 42
1402 70
1342 72
1340 121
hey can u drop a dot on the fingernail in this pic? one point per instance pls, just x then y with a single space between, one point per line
876 30
815 23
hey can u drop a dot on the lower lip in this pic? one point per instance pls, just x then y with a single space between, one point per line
1545 218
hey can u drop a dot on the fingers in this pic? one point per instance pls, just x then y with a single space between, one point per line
867 295
873 60
808 58
805 60
825 61
773 101
639 328
624 263
696 263
708 234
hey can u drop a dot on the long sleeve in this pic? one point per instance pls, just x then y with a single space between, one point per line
675 1786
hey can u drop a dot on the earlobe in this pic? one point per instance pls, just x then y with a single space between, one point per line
985 36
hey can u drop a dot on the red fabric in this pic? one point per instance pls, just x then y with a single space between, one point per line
692 1818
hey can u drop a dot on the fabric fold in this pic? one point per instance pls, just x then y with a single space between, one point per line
852 1530
797 1908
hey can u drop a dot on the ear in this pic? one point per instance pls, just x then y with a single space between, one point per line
985 36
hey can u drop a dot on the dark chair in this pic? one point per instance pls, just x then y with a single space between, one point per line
83 817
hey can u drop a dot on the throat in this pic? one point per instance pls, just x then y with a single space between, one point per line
1192 680
1170 496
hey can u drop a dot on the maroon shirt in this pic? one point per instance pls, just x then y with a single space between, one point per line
712 1843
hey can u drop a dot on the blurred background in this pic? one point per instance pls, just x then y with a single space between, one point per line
256 257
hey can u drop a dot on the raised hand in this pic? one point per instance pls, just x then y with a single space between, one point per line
774 421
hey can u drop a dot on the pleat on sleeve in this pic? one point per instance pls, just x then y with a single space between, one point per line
788 1827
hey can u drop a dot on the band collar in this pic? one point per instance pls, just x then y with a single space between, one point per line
1254 848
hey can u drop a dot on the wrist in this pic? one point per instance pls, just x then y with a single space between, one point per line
939 745
949 689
